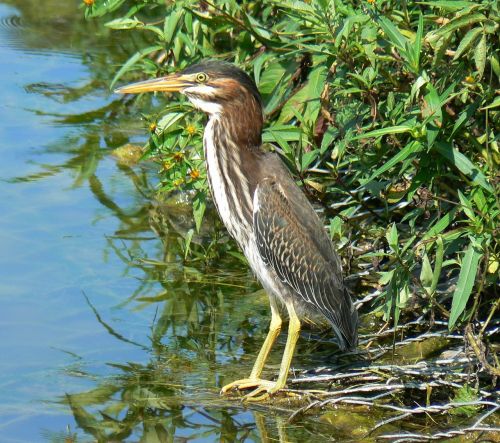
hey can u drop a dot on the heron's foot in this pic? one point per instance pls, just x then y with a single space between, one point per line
264 389
242 384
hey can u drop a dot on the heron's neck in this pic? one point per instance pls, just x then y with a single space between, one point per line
232 169
240 124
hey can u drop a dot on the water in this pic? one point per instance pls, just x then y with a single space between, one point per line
105 332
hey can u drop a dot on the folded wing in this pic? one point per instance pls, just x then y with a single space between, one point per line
292 241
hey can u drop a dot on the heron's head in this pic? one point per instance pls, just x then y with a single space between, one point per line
214 87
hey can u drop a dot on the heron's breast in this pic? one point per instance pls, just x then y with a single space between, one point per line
228 185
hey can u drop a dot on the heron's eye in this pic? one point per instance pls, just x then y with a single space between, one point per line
201 77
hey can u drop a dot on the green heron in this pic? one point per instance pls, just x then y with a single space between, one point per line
265 212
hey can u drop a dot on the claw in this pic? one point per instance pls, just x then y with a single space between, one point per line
264 389
262 393
244 383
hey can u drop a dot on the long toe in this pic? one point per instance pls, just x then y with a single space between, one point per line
244 383
263 392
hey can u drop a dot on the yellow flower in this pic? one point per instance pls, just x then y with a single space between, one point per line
194 174
371 1
167 166
89 2
469 79
191 129
179 156
178 182
152 127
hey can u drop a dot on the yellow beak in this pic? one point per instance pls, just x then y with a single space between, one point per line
170 83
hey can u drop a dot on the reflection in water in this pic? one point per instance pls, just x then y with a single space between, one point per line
158 401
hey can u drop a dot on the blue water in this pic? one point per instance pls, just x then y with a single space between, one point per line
54 245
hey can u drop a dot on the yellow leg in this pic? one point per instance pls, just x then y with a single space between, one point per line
254 380
267 388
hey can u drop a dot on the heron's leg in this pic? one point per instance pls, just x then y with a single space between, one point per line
274 331
254 380
266 388
291 341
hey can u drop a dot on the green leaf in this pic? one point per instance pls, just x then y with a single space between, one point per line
187 242
438 263
495 64
168 120
199 206
448 5
285 132
465 116
124 23
259 31
417 47
308 158
465 20
417 85
107 7
399 129
465 282
466 394
171 23
393 33
441 224
296 102
480 201
466 206
133 60
156 30
495 103
426 273
411 148
392 237
328 138
480 55
467 41
282 142
404 294
314 88
433 114
463 164
386 277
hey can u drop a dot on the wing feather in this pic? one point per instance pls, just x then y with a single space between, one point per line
292 241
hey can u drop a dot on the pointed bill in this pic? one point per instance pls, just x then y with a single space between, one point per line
171 83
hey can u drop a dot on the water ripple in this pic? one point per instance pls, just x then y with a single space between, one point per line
11 22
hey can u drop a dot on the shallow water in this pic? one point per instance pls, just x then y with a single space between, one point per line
106 333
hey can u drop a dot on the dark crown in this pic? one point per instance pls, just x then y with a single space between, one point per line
221 69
